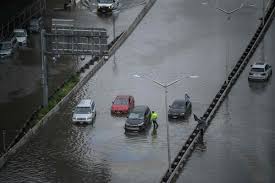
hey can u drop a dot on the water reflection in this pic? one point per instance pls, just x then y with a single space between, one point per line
259 87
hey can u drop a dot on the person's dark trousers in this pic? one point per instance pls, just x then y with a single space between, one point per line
155 124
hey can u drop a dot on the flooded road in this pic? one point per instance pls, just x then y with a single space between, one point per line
20 75
186 38
240 142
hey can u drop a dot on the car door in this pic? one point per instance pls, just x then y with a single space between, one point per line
268 68
146 117
93 109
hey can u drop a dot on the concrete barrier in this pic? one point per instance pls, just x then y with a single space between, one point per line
5 157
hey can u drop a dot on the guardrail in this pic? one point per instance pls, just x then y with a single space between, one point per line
21 19
181 158
29 129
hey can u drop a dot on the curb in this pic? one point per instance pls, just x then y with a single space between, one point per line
6 156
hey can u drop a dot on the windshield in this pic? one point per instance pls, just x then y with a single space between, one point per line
83 110
136 116
178 105
20 34
121 101
257 69
104 1
5 46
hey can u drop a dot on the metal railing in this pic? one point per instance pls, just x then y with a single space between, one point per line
209 114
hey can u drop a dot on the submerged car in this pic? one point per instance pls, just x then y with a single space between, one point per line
260 72
8 47
21 36
107 6
122 104
139 119
85 112
180 108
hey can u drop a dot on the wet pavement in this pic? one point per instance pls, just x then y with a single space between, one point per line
20 75
240 142
186 38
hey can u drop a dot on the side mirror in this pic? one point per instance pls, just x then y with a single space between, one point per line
251 65
169 106
113 102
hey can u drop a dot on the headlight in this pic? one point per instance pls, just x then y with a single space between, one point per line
74 118
263 74
182 114
141 124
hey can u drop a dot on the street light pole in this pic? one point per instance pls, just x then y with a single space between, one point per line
167 129
165 86
263 22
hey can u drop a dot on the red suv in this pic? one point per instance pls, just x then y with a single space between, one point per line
122 104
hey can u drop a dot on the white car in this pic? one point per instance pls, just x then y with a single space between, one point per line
85 112
21 36
107 6
260 71
8 47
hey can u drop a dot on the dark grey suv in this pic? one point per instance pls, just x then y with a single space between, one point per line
138 119
180 108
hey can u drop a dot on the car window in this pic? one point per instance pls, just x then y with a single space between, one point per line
121 101
82 110
257 69
178 104
136 116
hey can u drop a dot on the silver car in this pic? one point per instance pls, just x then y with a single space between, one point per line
8 47
21 36
85 112
260 72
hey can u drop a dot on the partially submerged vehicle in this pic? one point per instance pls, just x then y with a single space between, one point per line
260 72
107 6
85 112
122 104
21 36
180 108
139 119
8 47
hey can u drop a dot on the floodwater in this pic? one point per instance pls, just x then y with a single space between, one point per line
20 75
187 38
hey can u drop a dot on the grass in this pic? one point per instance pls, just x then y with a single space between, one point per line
57 97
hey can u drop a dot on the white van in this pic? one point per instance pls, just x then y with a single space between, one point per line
107 6
84 112
21 36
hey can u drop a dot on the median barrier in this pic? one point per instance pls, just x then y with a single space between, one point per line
21 138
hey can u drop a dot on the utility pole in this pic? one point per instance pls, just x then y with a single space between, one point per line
263 23
44 69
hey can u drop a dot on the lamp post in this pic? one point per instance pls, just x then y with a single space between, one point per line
165 86
228 13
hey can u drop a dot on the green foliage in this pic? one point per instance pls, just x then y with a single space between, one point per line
57 97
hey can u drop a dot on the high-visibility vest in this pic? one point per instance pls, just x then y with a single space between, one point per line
154 116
